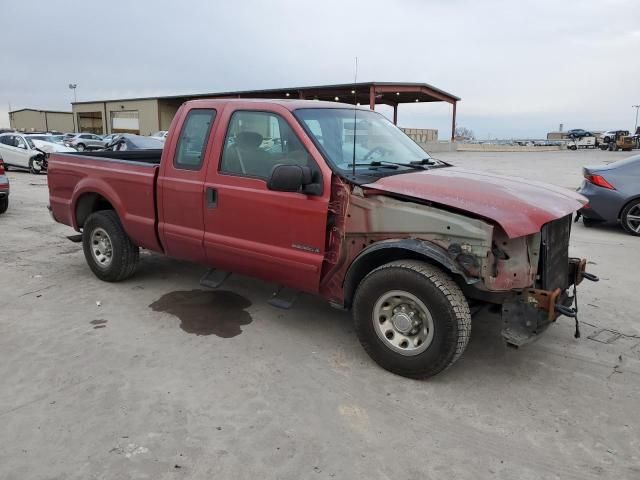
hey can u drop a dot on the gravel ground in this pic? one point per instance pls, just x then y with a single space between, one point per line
116 381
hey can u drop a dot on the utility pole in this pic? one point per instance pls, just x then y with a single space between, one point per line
73 87
636 126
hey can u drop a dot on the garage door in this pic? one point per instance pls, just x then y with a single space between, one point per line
125 122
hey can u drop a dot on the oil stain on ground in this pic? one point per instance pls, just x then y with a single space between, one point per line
205 312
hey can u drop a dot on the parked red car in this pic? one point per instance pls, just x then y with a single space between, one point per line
4 188
335 201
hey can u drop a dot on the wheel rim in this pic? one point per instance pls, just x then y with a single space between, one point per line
80 148
403 322
36 166
101 247
633 218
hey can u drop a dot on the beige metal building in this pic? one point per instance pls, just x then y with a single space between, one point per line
145 116
31 120
140 116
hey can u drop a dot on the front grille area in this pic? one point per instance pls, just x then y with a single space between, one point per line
554 254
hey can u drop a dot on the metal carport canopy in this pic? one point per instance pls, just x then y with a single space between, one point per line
386 93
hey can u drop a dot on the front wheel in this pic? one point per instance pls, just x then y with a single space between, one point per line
36 166
4 204
109 251
411 318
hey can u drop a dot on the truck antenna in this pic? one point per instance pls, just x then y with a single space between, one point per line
355 124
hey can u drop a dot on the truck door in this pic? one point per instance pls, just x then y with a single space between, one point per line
181 186
249 229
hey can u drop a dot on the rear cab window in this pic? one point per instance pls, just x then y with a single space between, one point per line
193 139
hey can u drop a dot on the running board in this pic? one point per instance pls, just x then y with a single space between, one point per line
214 278
284 298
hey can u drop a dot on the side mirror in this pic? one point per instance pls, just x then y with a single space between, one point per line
293 178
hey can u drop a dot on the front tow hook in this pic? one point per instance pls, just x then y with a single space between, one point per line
590 276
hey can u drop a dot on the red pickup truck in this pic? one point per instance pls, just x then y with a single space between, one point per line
332 200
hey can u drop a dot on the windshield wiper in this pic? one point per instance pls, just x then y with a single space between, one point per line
375 164
424 161
393 165
442 162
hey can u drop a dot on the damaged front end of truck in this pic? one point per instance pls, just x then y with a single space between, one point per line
530 277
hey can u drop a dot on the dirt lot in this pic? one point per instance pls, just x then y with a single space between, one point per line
107 381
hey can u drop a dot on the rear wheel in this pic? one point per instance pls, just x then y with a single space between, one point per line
411 318
110 253
4 204
630 217
81 147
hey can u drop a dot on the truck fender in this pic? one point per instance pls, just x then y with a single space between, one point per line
98 187
389 250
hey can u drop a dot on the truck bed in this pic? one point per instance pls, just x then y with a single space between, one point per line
126 180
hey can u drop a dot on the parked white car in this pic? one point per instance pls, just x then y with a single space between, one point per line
18 150
48 143
161 135
582 142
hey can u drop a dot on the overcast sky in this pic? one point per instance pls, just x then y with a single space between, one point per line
520 67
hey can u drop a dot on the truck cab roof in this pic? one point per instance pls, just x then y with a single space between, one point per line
289 104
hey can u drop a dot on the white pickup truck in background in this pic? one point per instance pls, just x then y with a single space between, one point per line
582 142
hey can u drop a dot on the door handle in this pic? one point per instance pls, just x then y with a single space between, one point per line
212 197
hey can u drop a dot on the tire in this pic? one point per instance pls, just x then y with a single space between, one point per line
4 204
81 147
573 147
118 256
631 209
447 317
33 168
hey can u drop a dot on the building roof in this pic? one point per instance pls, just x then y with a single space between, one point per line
385 92
36 110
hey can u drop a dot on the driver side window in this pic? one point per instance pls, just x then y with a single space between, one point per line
257 141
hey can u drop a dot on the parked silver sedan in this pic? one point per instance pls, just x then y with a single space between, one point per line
86 141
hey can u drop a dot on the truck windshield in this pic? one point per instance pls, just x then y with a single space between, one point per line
379 145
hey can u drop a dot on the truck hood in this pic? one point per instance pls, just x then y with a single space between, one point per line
519 206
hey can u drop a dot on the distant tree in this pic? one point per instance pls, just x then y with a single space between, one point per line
465 132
